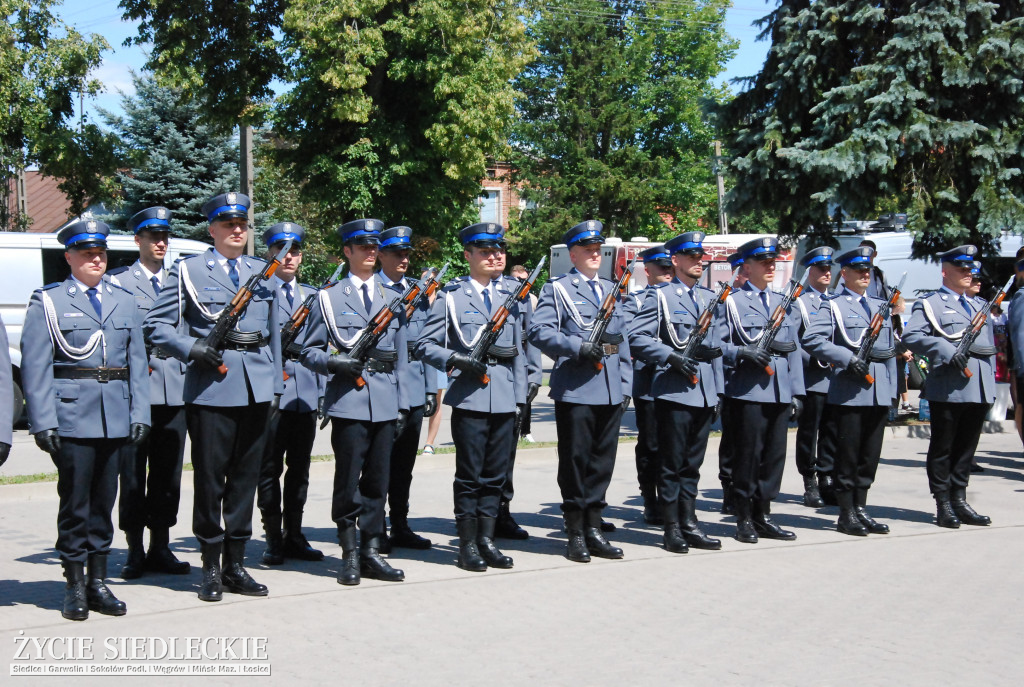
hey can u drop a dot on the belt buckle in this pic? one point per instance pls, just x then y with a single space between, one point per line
102 375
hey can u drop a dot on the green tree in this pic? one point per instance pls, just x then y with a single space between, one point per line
864 105
613 126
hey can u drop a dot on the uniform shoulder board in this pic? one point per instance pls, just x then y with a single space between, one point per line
308 286
118 286
256 258
49 286
705 289
117 270
451 286
187 257
662 285
560 276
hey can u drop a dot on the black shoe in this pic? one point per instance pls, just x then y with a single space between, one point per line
872 525
692 532
652 515
945 516
76 607
295 545
812 497
135 565
485 545
607 526
274 553
97 594
849 523
211 587
976 468
469 555
160 559
373 567
403 537
593 534
349 574
963 510
728 499
234 577
765 526
506 526
673 539
745 532
827 489
576 548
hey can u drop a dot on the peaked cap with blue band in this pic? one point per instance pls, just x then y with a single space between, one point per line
961 255
282 231
859 257
657 255
976 269
483 234
819 256
584 233
157 218
85 234
692 242
361 231
226 206
760 249
735 260
396 238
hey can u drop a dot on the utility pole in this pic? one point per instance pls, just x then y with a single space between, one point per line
716 167
247 172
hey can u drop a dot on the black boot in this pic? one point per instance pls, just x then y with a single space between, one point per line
945 516
692 532
874 527
848 522
349 573
827 488
373 567
210 589
469 554
963 510
235 577
765 526
728 498
135 565
295 544
506 526
652 516
159 558
576 548
97 594
403 537
274 553
594 536
745 532
76 607
673 539
485 544
812 497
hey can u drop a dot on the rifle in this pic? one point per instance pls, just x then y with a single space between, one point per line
428 288
230 315
769 333
978 321
498 319
607 309
875 328
290 331
700 331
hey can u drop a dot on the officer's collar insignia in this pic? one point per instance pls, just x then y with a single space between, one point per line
138 273
575 281
944 297
849 298
110 290
72 290
231 198
679 291
209 263
348 290
468 292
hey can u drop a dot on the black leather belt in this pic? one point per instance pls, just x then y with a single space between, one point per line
412 350
612 338
244 340
236 346
610 349
376 365
979 350
880 356
783 347
706 354
100 374
158 353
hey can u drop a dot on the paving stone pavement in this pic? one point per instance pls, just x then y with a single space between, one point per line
921 606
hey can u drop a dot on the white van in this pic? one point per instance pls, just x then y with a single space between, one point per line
29 260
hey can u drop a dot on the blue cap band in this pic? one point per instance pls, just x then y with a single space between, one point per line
395 239
151 221
688 245
656 256
360 232
483 237
227 208
960 258
858 260
759 250
585 235
819 258
78 238
284 236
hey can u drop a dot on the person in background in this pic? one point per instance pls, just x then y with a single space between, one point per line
878 288
730 430
438 380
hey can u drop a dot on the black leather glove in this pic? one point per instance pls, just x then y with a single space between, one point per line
430 407
320 408
344 364
754 355
137 433
5 450
717 412
518 421
403 417
49 441
625 403
959 361
680 363
591 351
531 392
858 368
463 363
205 355
796 406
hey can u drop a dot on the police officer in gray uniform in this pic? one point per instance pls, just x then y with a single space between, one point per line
151 499
588 401
364 418
6 399
87 386
730 431
686 390
814 442
226 414
761 404
857 407
658 265
958 403
483 414
293 427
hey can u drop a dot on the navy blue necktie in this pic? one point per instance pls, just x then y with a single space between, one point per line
867 308
966 306
764 302
94 298
366 299
156 284
288 295
233 271
596 289
487 298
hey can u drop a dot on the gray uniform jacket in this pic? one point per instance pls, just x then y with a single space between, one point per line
303 388
166 373
1015 329
415 382
83 408
6 388
457 317
212 290
744 380
565 315
936 323
816 373
534 363
662 326
337 320
834 337
643 372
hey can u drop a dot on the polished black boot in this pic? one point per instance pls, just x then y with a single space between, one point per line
812 497
235 578
765 526
652 515
673 539
349 573
373 567
576 548
945 516
690 527
594 536
745 532
506 526
469 554
827 489
485 544
963 510
403 537
211 588
848 522
159 558
273 554
295 544
76 607
135 564
728 498
874 527
97 594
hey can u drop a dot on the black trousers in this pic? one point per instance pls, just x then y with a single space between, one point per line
730 432
87 486
152 501
227 451
683 432
860 430
362 460
483 445
588 437
290 443
508 489
815 438
524 428
648 461
956 429
403 459
759 451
